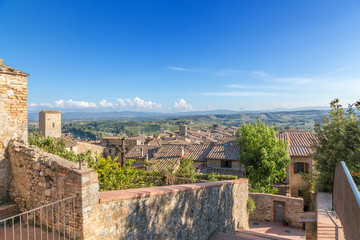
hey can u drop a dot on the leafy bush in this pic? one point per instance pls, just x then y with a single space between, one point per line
338 140
263 156
186 169
250 205
213 177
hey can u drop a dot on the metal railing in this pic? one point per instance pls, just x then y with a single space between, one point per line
346 201
55 220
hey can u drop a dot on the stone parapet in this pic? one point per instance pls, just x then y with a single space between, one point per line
39 178
192 211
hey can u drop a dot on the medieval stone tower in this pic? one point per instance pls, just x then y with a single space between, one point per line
50 123
13 116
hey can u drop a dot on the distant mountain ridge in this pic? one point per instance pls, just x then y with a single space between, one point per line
133 114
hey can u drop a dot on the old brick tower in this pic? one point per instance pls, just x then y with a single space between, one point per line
13 116
50 123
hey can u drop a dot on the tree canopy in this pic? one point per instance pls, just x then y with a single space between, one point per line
263 156
338 140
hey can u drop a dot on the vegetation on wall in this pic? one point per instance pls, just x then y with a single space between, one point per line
113 176
263 156
250 205
338 140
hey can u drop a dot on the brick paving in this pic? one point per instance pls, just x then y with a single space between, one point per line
264 231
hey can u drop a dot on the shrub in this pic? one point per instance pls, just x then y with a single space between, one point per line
250 205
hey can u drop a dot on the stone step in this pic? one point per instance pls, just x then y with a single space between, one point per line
7 210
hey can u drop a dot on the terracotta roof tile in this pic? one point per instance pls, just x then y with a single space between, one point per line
135 152
9 70
225 151
300 143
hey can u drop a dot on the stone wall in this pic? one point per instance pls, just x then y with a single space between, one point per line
13 117
39 178
193 211
265 208
217 163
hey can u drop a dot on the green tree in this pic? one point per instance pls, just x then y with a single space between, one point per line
263 156
338 140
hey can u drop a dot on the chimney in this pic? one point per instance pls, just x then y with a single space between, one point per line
182 151
1 61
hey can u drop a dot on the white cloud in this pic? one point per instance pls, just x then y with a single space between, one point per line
104 103
341 69
237 94
182 105
222 72
79 104
65 104
179 69
138 103
121 103
260 74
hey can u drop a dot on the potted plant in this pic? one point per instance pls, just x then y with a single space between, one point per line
285 221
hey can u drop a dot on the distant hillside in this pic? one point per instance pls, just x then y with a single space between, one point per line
155 115
92 126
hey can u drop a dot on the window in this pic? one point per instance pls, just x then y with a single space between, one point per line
301 193
53 125
109 151
225 164
301 167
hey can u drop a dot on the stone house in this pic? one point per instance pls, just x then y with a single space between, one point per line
300 144
224 155
168 156
113 146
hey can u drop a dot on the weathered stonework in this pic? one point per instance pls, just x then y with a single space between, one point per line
13 117
264 210
39 178
193 211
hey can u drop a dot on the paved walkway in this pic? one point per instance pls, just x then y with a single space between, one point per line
277 229
328 224
264 231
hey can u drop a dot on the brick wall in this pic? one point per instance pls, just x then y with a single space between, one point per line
13 117
264 210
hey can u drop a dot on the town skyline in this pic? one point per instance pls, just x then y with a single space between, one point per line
174 57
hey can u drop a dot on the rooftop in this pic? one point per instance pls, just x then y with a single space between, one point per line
51 112
9 70
300 143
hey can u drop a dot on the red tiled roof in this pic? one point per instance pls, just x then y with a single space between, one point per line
135 152
169 156
225 151
300 143
9 70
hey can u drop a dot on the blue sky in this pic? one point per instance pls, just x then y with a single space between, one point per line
171 56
